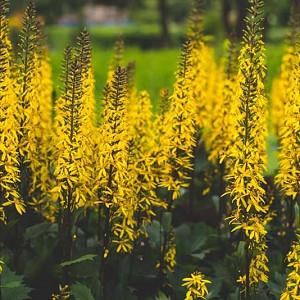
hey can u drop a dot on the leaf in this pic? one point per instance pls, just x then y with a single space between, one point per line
161 296
276 287
35 231
182 237
198 243
214 290
81 292
241 249
216 201
154 233
166 221
13 286
235 295
261 295
199 256
86 257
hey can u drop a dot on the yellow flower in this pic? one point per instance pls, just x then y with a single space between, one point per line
223 134
70 162
288 177
246 160
40 147
196 286
204 73
27 90
292 289
2 263
9 127
142 179
63 294
112 180
178 140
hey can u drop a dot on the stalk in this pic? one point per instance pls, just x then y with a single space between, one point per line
248 261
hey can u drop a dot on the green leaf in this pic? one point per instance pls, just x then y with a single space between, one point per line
198 243
12 284
261 295
235 295
241 249
297 215
276 287
214 290
154 233
13 287
216 201
182 237
161 296
35 231
86 257
81 292
166 221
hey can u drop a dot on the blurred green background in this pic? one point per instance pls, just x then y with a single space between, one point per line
153 31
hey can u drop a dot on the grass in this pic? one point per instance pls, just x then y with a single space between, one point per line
154 68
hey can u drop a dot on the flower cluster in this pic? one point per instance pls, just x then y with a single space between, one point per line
247 155
288 178
292 290
9 127
196 286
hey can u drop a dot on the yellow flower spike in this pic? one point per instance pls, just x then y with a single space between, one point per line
71 143
142 180
178 140
170 254
292 289
26 89
288 177
281 85
89 130
203 72
246 160
9 126
222 133
40 154
114 193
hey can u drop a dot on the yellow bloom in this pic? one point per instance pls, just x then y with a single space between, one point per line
288 178
142 180
246 160
40 147
112 179
9 127
292 289
71 164
63 294
28 80
204 74
89 130
178 140
170 253
196 286
223 134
